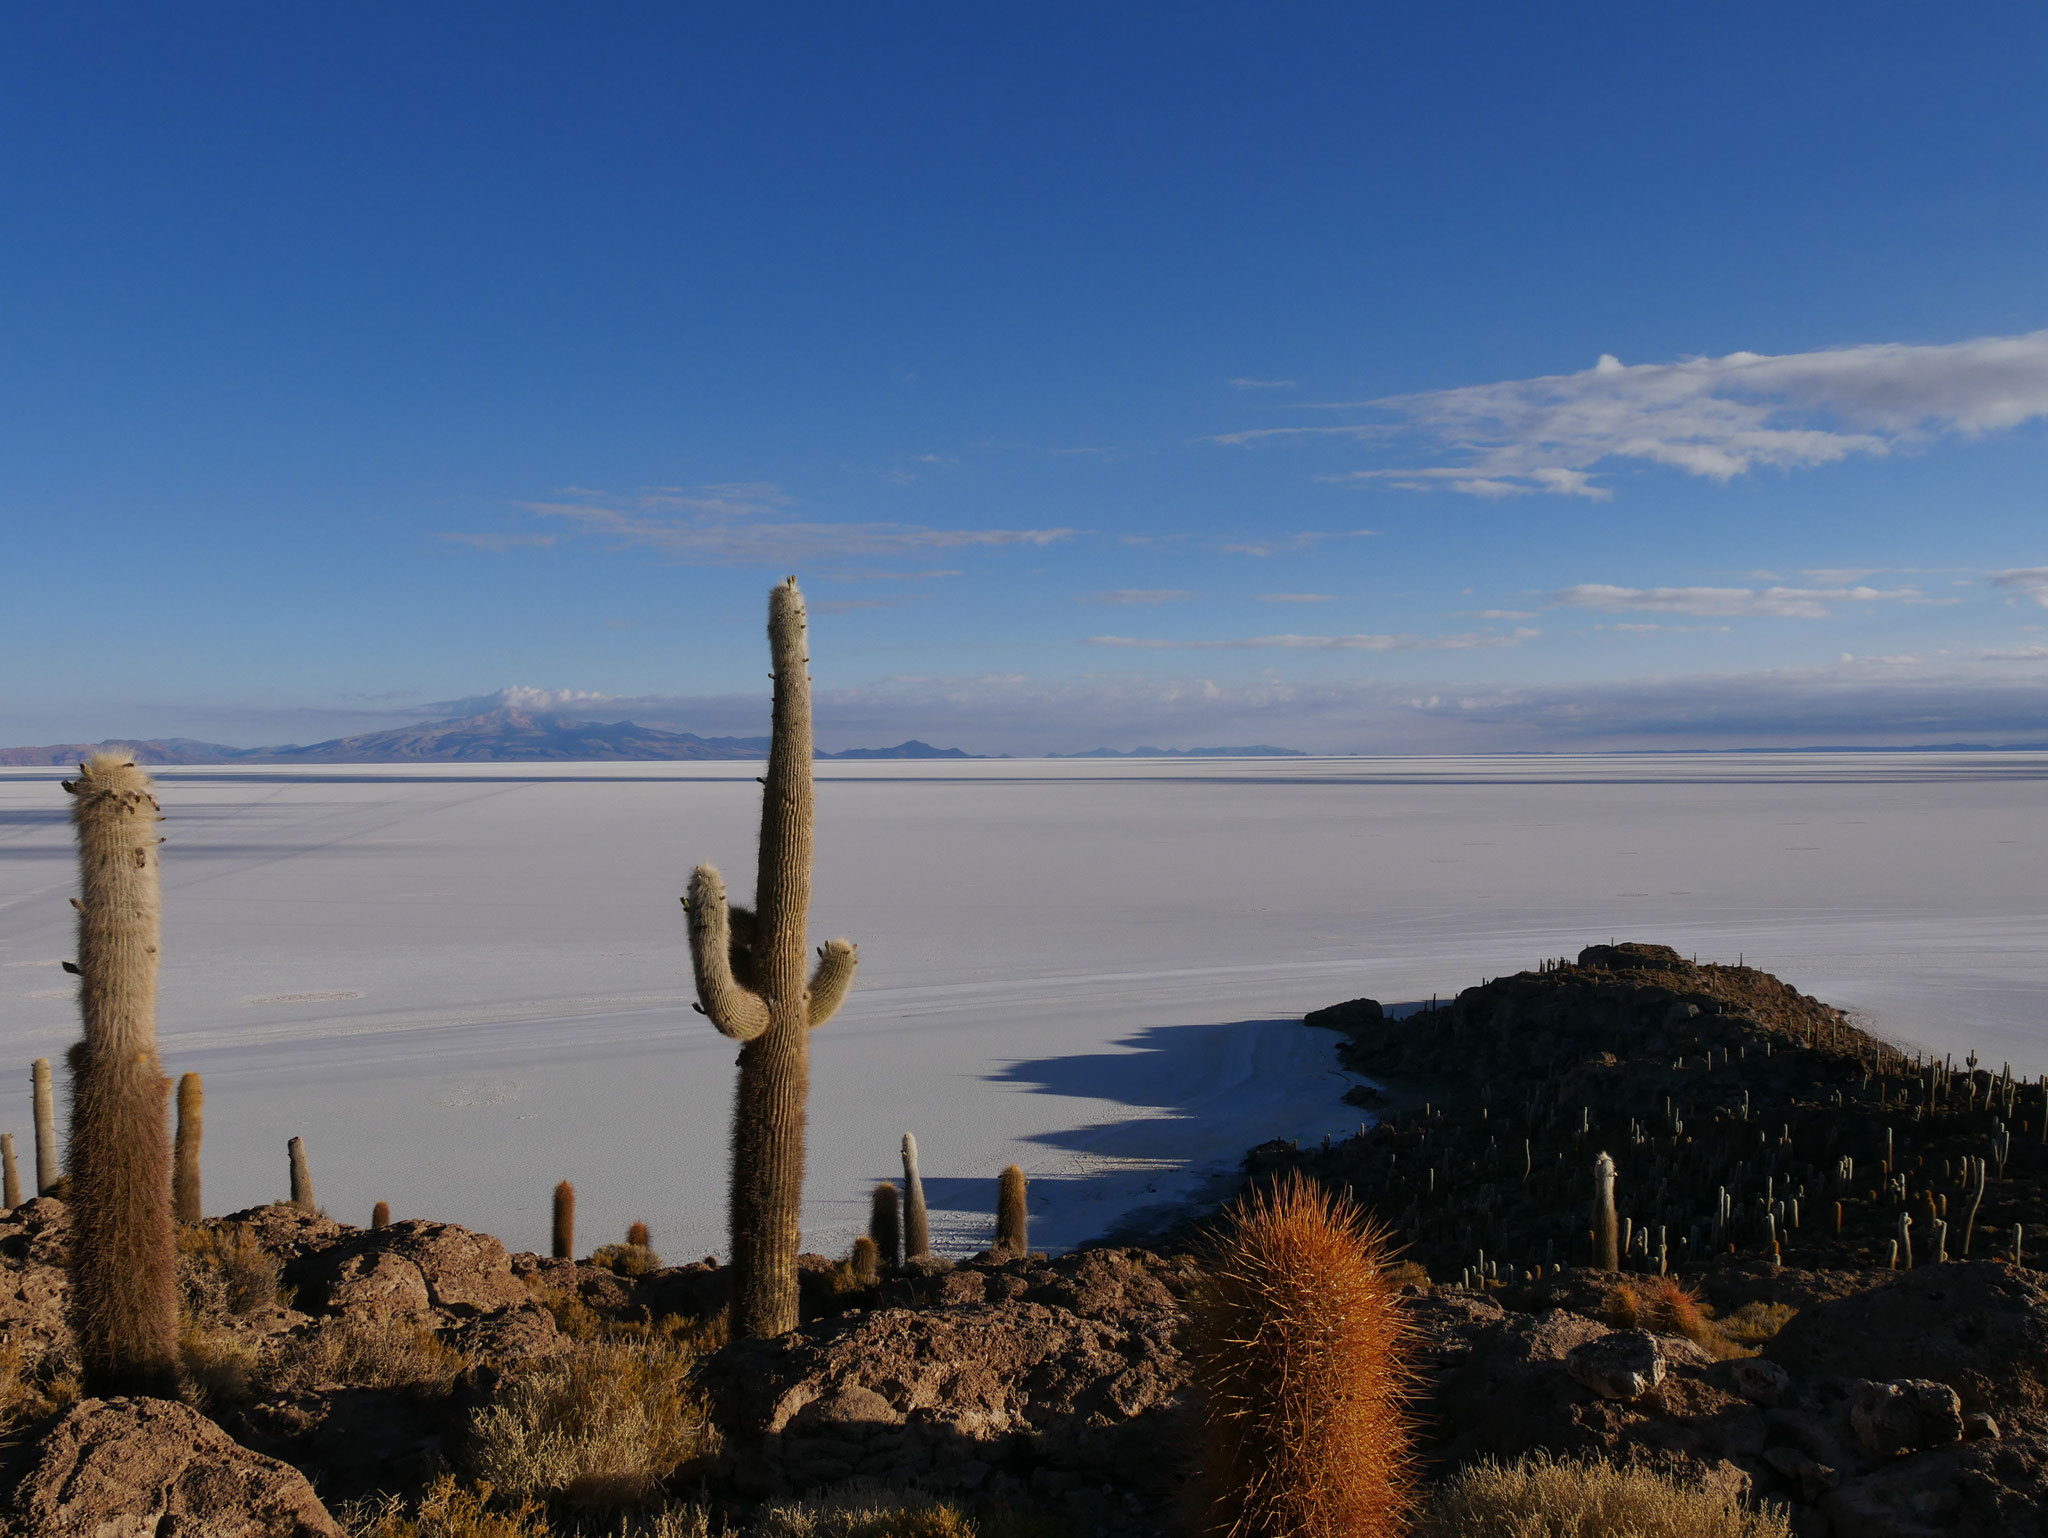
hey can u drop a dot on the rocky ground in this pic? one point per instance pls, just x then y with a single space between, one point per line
332 1365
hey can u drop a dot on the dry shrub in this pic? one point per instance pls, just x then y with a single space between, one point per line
625 1259
390 1354
1753 1324
34 1384
449 1511
220 1367
223 1269
573 1317
1543 1498
864 1515
1302 1354
602 1424
1666 1306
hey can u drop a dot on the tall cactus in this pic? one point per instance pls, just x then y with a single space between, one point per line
885 1225
10 1174
564 1245
124 1261
1012 1218
751 984
185 1203
46 1128
1606 1231
302 1176
917 1227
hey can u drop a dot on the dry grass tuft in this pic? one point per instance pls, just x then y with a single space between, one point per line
1754 1324
603 1424
1666 1306
449 1511
1543 1498
392 1354
223 1270
34 1384
625 1259
864 1516
1302 1353
220 1368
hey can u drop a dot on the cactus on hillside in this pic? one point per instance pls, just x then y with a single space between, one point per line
564 1245
1606 1230
885 1225
917 1229
302 1176
380 1216
638 1237
10 1173
1012 1220
124 1259
750 968
185 1203
864 1265
46 1128
1301 1352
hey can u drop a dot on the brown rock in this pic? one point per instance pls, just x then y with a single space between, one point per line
1622 1365
149 1468
1904 1415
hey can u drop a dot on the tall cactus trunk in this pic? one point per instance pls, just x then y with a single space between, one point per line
302 1175
885 1226
10 1173
917 1228
46 1128
751 983
564 1246
1606 1229
124 1309
1012 1218
185 1203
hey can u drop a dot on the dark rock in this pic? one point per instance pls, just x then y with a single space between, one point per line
1347 1016
1904 1415
1625 1364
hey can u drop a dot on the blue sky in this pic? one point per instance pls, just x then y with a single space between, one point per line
1185 375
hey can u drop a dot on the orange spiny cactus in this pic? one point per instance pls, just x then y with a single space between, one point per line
1302 1355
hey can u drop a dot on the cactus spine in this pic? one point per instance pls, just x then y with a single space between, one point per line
124 1262
1012 1220
917 1229
885 1226
564 1247
10 1173
302 1175
751 984
185 1205
380 1215
46 1128
1606 1232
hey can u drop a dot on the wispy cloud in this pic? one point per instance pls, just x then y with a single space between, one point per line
1726 602
1299 598
1264 384
751 525
498 544
1282 544
2031 581
2034 652
1472 641
1137 596
1712 417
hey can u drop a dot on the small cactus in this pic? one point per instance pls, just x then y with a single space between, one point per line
10 1174
1301 1352
865 1263
380 1216
885 1225
1012 1219
1606 1231
185 1203
917 1228
638 1237
47 1173
124 1259
564 1246
1972 1166
302 1176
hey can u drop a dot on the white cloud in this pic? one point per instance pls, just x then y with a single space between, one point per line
750 525
1146 596
1329 643
1264 384
1299 598
1283 543
2035 652
2029 580
1725 602
1712 417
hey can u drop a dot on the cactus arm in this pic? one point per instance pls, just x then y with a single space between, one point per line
832 980
737 1011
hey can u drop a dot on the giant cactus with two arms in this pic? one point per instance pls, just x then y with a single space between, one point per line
751 980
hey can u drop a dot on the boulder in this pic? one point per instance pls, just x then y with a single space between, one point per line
145 1468
1904 1415
1624 1364
407 1268
1348 1016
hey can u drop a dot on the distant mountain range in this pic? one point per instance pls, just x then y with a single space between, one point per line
497 737
1259 750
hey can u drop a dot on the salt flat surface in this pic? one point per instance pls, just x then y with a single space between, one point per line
463 983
